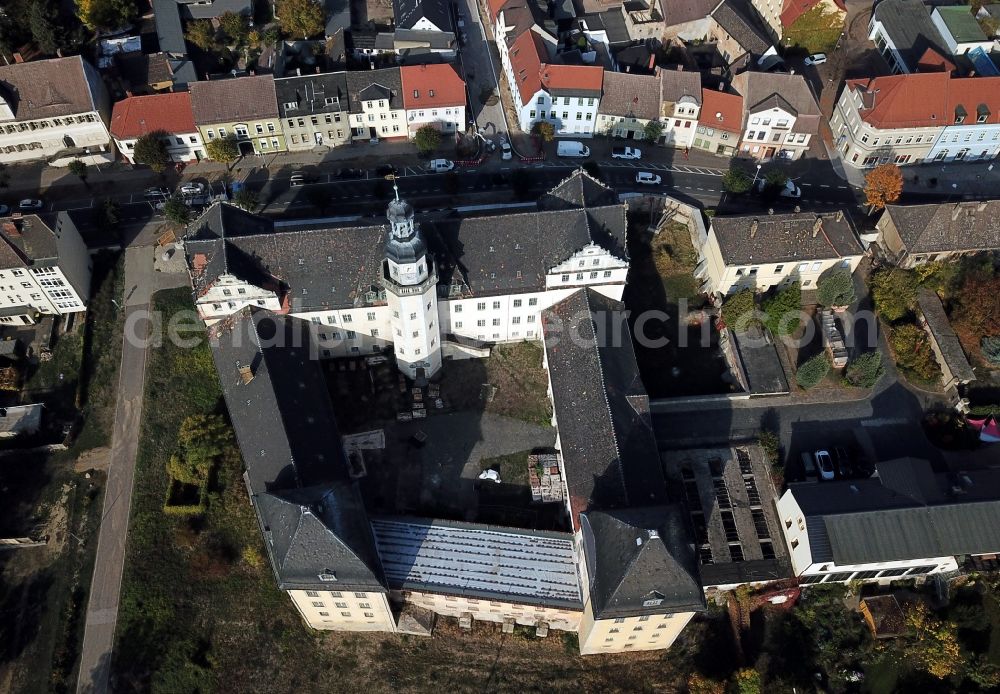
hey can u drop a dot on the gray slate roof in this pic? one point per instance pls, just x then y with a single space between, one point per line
169 30
682 11
309 510
601 408
631 96
641 561
408 12
906 512
233 100
310 92
371 85
612 22
323 268
737 20
30 240
49 88
675 84
963 226
196 9
764 90
780 238
908 24
943 334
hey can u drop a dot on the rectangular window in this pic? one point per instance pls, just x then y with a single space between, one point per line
533 302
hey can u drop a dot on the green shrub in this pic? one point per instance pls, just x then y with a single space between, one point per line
913 352
894 292
835 288
783 311
813 371
991 349
736 181
768 441
739 311
865 370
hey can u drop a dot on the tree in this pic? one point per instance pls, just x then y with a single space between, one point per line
105 15
246 199
224 149
235 25
176 211
748 681
883 185
776 179
991 349
151 151
736 181
107 215
201 441
653 130
835 288
933 643
201 33
78 168
977 307
545 130
44 27
303 18
894 293
739 312
427 139
913 351
699 684
865 370
813 371
782 311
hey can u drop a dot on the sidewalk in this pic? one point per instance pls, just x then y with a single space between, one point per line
971 179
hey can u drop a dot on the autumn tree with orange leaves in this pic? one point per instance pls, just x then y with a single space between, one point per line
883 185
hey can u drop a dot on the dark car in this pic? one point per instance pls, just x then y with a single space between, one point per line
157 193
349 174
386 170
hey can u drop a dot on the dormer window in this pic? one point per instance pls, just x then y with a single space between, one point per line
416 93
431 93
291 106
960 114
982 113
328 576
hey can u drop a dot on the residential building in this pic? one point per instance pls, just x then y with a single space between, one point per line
624 578
720 124
54 111
910 235
422 15
211 9
543 88
762 252
913 118
781 15
737 33
780 115
686 21
244 108
433 95
169 115
628 104
314 110
906 521
680 106
44 268
947 348
377 110
20 420
903 33
958 27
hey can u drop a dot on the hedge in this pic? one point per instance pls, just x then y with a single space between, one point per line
865 370
813 371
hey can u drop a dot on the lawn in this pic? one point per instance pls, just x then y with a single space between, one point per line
816 31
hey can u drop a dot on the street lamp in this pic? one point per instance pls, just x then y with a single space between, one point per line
755 176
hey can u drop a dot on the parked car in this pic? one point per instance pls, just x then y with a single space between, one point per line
789 190
387 170
157 193
842 461
349 174
626 153
505 152
30 204
298 179
816 59
808 466
825 464
647 178
4 210
193 188
572 148
441 165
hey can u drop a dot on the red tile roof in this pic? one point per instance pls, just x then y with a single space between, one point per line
932 61
794 9
525 58
527 55
928 99
495 7
138 115
431 86
721 110
573 78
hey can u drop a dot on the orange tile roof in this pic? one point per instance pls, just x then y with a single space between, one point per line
525 58
573 78
532 73
926 99
721 110
495 7
430 86
138 115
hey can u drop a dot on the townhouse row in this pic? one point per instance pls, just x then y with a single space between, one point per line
58 111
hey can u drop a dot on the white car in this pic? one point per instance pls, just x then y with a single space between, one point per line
505 151
825 464
626 153
816 59
441 165
192 188
789 190
30 204
648 179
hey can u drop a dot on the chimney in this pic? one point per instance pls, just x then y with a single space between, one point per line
652 60
680 68
817 226
753 228
298 72
722 86
840 215
246 373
